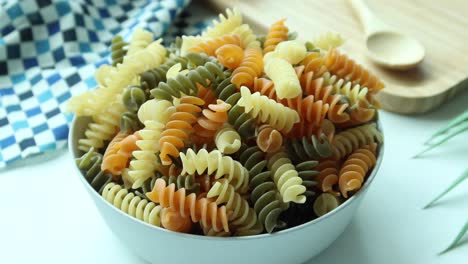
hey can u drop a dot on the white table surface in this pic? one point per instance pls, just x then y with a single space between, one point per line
47 216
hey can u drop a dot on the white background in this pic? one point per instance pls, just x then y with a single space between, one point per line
47 217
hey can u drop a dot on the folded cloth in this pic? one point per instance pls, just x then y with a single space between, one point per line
49 51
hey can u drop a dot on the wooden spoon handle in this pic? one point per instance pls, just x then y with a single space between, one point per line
369 21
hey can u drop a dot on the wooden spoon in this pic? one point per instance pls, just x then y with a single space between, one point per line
387 46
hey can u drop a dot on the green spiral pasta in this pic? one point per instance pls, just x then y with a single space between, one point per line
237 117
198 59
150 79
183 181
129 123
309 148
186 84
307 174
90 166
132 204
244 219
133 97
118 50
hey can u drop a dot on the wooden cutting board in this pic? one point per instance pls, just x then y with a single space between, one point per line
441 26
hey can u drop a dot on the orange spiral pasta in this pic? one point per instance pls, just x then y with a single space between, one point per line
250 67
178 128
210 46
346 68
337 102
309 109
269 139
118 152
206 94
314 62
210 122
202 210
328 175
355 169
230 55
278 32
171 219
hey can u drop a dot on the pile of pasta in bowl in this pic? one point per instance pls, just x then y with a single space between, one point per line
229 133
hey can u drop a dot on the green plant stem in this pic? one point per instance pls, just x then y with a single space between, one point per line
457 131
457 240
457 121
459 180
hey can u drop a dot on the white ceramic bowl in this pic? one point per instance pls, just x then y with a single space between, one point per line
158 245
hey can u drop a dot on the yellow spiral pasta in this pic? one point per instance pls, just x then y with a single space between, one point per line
268 111
328 40
131 204
228 140
103 128
188 42
277 33
294 51
248 38
91 103
140 40
225 24
284 77
286 178
215 163
198 209
244 217
355 169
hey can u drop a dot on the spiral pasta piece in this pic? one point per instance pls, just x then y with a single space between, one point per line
314 62
90 166
118 152
104 127
173 220
189 42
186 84
250 67
328 175
286 178
131 204
230 55
243 217
211 121
351 139
284 77
307 173
248 38
325 203
338 102
178 128
91 103
202 210
346 68
237 117
133 97
328 40
268 111
206 95
214 163
209 46
292 51
225 24
227 140
269 139
277 33
355 169
140 40
183 181
151 78
309 148
118 50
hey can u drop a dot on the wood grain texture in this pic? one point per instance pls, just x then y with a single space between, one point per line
441 26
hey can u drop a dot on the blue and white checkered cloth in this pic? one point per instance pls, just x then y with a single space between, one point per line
49 51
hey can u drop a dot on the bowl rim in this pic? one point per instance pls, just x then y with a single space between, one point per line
72 149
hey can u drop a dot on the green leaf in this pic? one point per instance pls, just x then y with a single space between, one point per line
457 131
457 121
459 180
456 241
